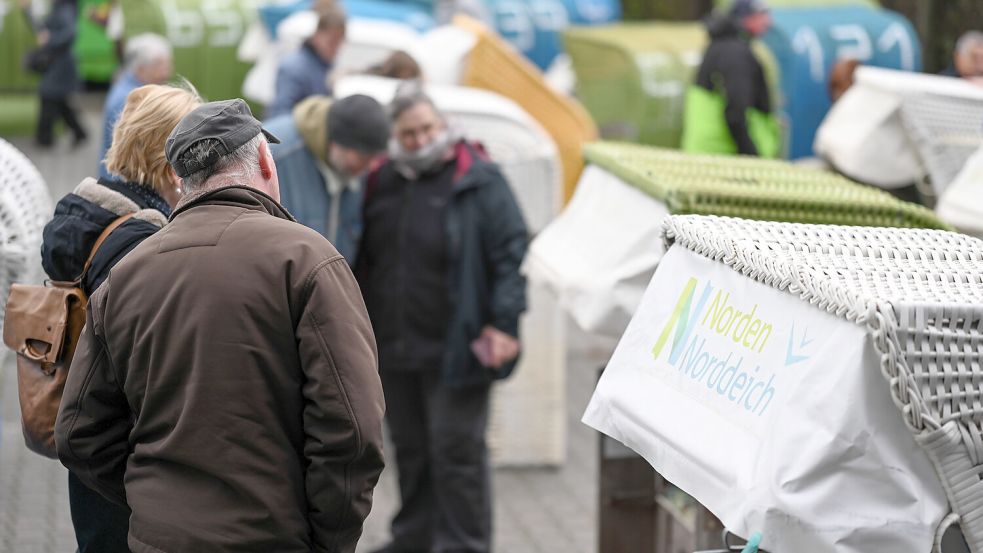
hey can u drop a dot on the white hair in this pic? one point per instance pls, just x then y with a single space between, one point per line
968 41
238 167
146 49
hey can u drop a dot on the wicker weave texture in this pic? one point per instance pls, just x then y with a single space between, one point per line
919 294
753 188
945 130
25 207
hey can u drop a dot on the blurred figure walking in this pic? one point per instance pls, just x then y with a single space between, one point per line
728 108
439 268
306 72
967 58
148 59
56 62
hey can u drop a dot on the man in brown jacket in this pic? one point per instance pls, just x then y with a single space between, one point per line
226 386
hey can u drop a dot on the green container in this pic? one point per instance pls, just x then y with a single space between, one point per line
18 102
16 40
754 188
95 52
204 42
632 77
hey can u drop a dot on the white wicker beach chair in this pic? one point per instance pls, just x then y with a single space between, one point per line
25 207
918 294
893 128
946 131
961 205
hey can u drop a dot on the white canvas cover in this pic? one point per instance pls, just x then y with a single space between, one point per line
882 131
962 203
599 254
527 425
770 410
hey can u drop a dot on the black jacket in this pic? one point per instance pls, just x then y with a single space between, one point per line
730 68
486 240
79 219
406 237
61 78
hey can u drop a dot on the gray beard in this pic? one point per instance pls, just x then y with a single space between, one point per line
412 165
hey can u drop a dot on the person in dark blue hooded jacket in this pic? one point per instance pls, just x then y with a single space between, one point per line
143 186
59 76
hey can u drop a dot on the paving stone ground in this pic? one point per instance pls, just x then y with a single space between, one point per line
537 510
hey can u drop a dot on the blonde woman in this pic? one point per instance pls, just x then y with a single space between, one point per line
142 184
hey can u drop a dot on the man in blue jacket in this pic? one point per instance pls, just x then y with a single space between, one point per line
305 72
325 147
439 270
148 59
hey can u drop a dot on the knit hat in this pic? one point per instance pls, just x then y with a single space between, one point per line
743 8
359 122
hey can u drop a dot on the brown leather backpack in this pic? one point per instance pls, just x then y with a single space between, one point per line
42 324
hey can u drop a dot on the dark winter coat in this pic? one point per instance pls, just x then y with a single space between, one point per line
486 240
730 68
225 386
61 78
79 219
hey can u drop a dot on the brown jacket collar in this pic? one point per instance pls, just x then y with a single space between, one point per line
237 196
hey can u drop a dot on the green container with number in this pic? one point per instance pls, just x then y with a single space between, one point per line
205 37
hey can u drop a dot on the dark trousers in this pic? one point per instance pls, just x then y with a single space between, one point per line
100 525
53 109
442 459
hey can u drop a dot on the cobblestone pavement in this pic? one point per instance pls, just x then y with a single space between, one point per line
538 510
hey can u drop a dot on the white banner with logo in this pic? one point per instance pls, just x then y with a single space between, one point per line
770 412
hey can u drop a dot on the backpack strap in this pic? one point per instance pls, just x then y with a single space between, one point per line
95 247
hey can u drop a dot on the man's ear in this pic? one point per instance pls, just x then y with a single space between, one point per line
175 180
266 165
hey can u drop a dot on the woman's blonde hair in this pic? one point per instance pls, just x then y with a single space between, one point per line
150 114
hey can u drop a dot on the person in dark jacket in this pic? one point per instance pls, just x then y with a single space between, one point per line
225 386
60 80
305 72
439 268
142 187
729 108
967 57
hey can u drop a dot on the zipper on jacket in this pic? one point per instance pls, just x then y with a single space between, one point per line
401 271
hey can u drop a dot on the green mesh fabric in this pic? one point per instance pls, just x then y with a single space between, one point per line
754 188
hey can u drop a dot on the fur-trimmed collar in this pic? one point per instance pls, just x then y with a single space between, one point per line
117 203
